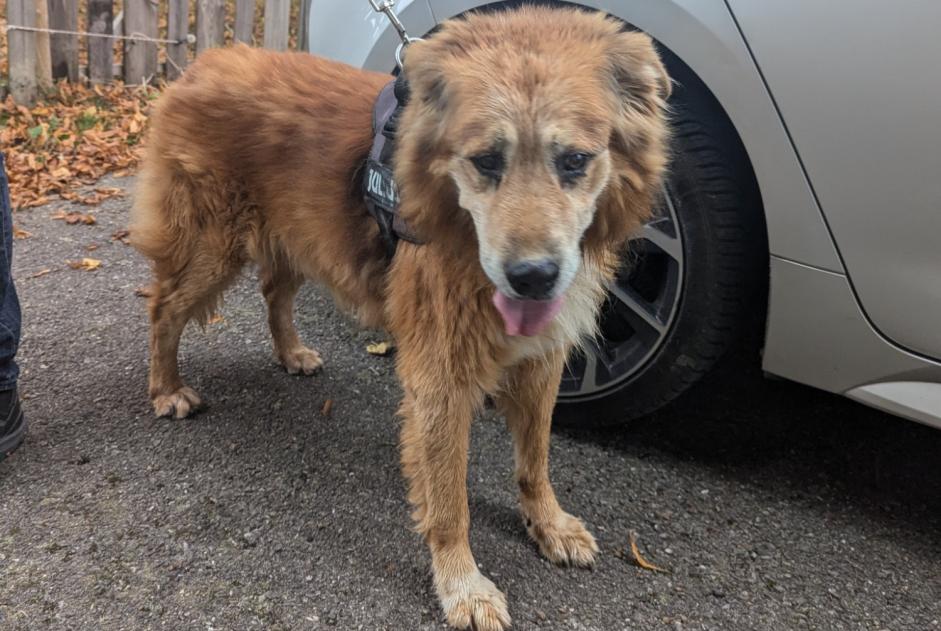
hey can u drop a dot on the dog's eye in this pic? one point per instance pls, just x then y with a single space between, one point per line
572 164
489 165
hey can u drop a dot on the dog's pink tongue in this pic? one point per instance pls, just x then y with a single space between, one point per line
526 317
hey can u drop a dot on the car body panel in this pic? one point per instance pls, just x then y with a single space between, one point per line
916 400
859 89
839 350
351 32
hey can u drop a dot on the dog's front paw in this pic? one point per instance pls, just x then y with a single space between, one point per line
474 602
179 404
300 360
564 540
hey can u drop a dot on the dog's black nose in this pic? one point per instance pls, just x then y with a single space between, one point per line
533 279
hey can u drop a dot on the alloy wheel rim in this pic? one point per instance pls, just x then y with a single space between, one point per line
639 310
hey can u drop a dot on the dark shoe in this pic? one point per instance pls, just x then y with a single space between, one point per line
12 422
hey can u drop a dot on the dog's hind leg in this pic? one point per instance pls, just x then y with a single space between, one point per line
279 284
192 292
527 401
185 225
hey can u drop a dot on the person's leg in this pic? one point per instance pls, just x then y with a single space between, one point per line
12 423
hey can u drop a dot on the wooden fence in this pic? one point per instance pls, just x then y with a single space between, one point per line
44 36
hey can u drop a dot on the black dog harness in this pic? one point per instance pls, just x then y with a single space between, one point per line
381 192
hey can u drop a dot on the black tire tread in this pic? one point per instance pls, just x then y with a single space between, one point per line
737 235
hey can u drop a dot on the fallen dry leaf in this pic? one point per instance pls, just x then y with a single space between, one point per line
120 235
92 199
215 319
327 407
19 233
74 218
88 265
41 272
639 560
91 247
380 348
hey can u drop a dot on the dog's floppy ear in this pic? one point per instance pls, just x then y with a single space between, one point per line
425 72
421 155
639 77
641 88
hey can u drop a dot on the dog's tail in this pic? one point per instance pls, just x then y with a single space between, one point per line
163 215
168 221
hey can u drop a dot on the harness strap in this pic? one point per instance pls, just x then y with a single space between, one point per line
381 192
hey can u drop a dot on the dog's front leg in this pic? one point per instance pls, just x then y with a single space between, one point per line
527 400
435 439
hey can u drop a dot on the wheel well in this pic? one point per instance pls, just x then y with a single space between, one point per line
692 94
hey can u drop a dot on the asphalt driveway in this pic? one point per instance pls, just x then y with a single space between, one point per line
772 506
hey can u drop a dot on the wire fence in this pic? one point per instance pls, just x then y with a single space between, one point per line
45 41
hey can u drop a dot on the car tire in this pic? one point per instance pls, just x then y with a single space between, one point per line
717 211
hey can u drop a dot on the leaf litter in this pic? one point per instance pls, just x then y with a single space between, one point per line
72 139
640 561
380 348
86 264
74 218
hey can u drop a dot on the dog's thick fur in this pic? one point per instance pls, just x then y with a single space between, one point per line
256 156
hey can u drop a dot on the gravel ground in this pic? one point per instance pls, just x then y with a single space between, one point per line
773 506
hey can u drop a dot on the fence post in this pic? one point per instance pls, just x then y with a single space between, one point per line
244 20
63 15
210 24
277 18
100 49
140 58
177 28
22 46
43 54
303 24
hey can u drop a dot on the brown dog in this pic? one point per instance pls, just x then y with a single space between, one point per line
531 148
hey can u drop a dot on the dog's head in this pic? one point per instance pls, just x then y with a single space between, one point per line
548 127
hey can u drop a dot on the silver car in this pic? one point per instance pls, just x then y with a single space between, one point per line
803 212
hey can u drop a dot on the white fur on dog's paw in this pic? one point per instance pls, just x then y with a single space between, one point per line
564 540
474 602
301 360
179 404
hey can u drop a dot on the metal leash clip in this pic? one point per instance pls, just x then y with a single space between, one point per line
387 7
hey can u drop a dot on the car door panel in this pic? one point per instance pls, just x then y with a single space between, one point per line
858 85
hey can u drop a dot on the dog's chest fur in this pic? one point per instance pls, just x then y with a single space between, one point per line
575 324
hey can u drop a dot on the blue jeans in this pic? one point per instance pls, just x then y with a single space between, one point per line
9 303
